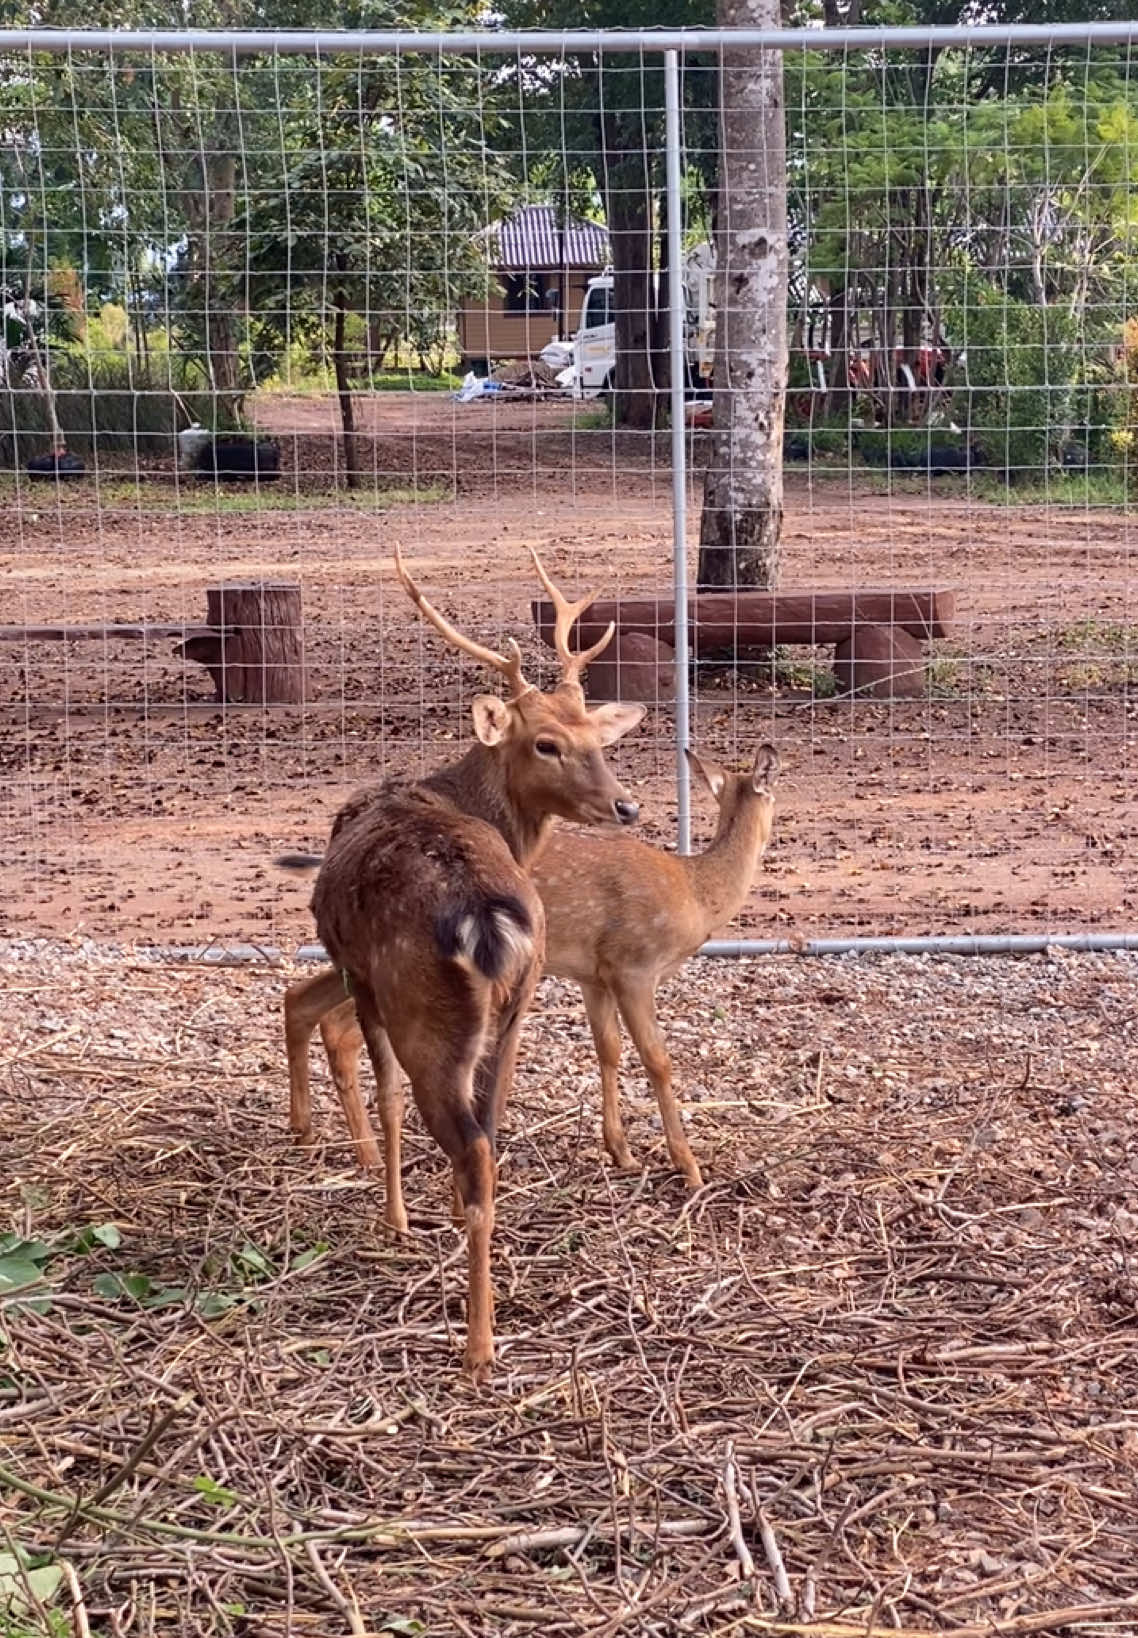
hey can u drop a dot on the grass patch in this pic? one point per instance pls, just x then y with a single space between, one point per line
410 381
1087 657
193 497
803 675
597 419
1101 655
319 383
1095 488
1071 489
944 677
212 499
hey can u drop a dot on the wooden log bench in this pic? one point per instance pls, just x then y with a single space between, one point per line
878 637
250 640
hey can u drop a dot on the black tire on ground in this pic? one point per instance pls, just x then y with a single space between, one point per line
56 465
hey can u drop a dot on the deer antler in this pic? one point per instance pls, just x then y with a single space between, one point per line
566 615
509 664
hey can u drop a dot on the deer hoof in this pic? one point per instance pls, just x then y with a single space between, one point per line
623 1159
477 1364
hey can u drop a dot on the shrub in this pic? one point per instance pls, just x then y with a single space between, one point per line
110 402
915 449
824 437
1020 367
1128 437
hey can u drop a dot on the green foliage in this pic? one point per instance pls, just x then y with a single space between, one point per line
1021 365
108 401
357 212
21 1262
824 438
928 191
25 1582
218 1495
413 381
906 447
1128 439
209 499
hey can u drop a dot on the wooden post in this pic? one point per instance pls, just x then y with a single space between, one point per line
257 657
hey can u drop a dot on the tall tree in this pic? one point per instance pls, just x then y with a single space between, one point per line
370 204
741 523
607 111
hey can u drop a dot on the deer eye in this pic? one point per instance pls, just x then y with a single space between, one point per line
547 747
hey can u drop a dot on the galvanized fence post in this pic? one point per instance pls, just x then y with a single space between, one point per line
676 354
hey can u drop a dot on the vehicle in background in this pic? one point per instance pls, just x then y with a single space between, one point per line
593 369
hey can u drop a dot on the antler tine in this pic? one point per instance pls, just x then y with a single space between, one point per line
566 614
588 655
509 664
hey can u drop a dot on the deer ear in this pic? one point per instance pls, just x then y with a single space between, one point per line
713 776
613 721
491 718
764 775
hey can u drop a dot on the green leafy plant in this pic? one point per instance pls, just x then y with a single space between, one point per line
1021 367
25 1581
216 1494
21 1261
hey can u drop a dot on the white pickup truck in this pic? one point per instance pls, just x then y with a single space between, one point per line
593 367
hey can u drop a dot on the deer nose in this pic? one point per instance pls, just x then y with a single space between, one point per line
627 812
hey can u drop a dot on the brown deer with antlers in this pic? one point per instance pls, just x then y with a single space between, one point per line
424 906
619 917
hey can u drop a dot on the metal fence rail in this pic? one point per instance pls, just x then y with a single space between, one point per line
323 42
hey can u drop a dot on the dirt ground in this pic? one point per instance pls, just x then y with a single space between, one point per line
878 1375
133 808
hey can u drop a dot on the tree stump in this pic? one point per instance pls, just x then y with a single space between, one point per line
256 657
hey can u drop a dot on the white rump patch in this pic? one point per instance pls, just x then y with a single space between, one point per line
518 943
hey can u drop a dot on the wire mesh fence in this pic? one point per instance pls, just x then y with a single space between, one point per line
284 309
272 308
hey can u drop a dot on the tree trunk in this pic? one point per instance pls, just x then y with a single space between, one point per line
659 328
344 392
209 201
628 209
742 498
257 658
43 374
838 364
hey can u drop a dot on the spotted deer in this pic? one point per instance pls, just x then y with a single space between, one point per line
620 916
426 910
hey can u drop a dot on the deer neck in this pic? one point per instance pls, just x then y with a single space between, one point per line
722 875
477 785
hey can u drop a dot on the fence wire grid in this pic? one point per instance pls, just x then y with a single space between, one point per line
360 257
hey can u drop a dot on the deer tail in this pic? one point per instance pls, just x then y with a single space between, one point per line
302 864
492 936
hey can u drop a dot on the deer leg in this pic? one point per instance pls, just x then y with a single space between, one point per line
605 1025
637 1003
304 1004
343 1037
494 1076
447 1108
389 1097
